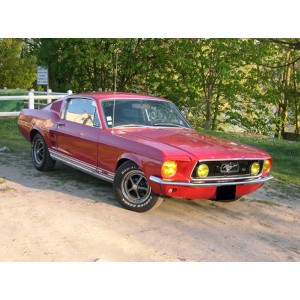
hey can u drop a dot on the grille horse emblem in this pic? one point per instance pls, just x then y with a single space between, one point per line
229 168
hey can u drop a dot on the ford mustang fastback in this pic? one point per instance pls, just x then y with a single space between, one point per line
144 146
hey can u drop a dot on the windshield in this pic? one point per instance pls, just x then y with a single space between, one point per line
138 113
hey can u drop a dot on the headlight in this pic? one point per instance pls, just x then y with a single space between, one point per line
169 168
203 170
255 168
267 166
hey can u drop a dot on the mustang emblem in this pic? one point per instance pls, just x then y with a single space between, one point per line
229 168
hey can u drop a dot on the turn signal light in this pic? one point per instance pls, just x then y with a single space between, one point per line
267 166
169 168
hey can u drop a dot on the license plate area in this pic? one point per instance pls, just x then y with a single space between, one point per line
226 192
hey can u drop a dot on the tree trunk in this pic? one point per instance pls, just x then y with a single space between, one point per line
208 113
216 111
296 103
283 103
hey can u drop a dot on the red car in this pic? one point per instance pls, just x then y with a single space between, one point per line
144 146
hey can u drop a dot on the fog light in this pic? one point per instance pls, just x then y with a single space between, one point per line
267 166
169 168
170 191
255 168
203 170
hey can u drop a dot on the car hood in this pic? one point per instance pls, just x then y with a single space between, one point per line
192 143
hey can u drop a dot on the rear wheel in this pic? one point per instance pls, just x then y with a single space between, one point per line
40 155
132 189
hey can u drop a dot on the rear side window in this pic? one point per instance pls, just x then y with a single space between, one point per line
83 111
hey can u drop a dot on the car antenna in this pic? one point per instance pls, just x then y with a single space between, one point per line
115 90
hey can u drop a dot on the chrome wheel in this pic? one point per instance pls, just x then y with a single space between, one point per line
40 155
132 189
136 187
39 151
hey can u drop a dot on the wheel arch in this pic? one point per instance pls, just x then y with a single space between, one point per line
147 165
128 157
33 132
37 130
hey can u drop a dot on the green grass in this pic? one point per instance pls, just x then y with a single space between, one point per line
285 154
11 137
12 92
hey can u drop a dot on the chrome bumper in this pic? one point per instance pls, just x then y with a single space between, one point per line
208 184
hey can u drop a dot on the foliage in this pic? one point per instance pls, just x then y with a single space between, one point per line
12 92
89 64
17 68
222 84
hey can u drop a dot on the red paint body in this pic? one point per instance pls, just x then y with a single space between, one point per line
102 150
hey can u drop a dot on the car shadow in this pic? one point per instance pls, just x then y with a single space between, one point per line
61 179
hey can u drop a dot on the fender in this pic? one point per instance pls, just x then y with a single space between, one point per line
129 156
148 165
29 122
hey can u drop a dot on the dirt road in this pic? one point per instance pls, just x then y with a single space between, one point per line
65 215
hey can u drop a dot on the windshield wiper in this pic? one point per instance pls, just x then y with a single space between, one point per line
167 124
131 125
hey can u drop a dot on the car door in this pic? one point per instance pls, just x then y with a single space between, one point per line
78 132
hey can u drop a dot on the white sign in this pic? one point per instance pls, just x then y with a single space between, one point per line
42 76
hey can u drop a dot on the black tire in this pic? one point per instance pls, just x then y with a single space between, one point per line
132 189
40 155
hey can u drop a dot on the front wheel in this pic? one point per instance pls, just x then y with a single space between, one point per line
132 189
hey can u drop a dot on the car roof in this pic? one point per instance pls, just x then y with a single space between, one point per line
111 95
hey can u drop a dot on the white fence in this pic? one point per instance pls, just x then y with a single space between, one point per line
31 100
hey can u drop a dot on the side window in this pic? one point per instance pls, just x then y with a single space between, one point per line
83 111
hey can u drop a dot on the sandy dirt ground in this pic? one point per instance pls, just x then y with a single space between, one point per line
66 215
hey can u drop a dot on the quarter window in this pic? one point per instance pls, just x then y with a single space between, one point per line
83 111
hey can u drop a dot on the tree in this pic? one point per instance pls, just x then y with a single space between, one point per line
206 75
251 83
282 63
89 64
17 68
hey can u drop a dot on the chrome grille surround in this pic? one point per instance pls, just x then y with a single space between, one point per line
225 169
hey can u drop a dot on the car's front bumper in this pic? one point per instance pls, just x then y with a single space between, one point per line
209 184
206 190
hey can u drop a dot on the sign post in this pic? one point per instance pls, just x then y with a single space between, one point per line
42 76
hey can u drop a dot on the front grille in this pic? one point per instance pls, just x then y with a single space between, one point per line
227 168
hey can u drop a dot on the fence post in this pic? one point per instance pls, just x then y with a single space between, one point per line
31 99
69 92
49 91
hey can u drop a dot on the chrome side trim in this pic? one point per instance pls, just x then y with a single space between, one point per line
209 184
82 166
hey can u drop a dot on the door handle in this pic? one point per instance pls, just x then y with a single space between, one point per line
60 123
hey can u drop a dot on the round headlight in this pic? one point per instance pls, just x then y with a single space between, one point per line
255 168
169 168
203 170
267 166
